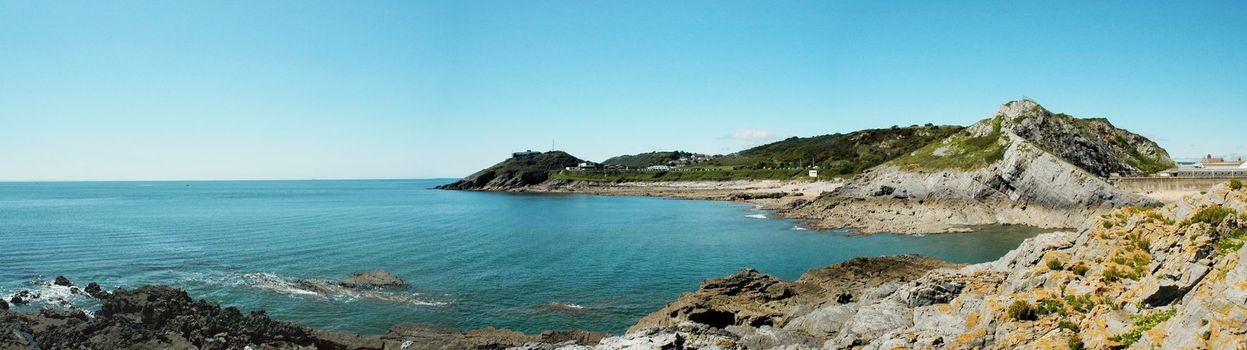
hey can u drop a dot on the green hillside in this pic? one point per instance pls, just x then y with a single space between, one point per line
838 154
646 159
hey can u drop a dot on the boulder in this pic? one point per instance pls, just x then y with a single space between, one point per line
93 289
63 281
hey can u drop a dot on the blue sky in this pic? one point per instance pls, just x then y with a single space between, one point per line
108 90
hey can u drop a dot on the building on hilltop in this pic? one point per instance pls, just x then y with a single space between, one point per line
527 153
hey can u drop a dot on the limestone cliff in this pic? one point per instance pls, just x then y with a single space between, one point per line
1025 165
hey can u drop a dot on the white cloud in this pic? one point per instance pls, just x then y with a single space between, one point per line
751 136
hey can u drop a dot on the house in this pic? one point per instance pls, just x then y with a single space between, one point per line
587 165
527 153
659 167
1218 162
813 172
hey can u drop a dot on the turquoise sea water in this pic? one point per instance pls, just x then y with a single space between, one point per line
526 262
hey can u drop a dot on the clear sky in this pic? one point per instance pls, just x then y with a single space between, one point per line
418 89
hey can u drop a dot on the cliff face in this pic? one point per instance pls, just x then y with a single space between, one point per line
1025 165
1173 277
516 172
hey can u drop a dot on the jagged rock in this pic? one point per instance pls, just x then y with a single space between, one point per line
750 298
23 297
4 305
63 281
376 279
934 293
93 289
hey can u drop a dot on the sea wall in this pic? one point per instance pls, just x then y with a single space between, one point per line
1157 184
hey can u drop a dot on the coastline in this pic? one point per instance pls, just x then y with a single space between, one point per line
1182 264
795 200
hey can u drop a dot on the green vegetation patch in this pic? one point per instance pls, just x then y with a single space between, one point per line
646 159
694 174
961 152
1022 311
1210 215
1142 323
838 154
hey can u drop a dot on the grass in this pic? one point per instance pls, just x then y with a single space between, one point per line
1236 185
1142 323
1231 243
961 152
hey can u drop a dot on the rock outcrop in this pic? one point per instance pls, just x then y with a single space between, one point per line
516 172
379 278
1172 277
1025 166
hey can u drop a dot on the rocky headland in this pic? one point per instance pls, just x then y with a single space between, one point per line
1024 165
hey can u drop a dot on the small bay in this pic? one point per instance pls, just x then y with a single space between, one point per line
473 259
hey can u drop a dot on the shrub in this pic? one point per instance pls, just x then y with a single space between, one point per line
1079 269
1236 185
1022 311
1108 224
1074 343
1054 264
1080 303
1050 306
1066 324
1210 215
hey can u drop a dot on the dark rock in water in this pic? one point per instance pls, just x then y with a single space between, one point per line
93 289
376 278
4 305
62 281
23 297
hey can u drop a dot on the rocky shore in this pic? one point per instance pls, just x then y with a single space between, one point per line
164 317
1173 277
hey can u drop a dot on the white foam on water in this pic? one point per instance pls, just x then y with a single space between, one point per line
329 290
756 216
51 296
799 228
567 305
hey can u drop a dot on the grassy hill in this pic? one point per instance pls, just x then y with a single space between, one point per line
838 154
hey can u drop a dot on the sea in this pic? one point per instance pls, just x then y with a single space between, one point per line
528 262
